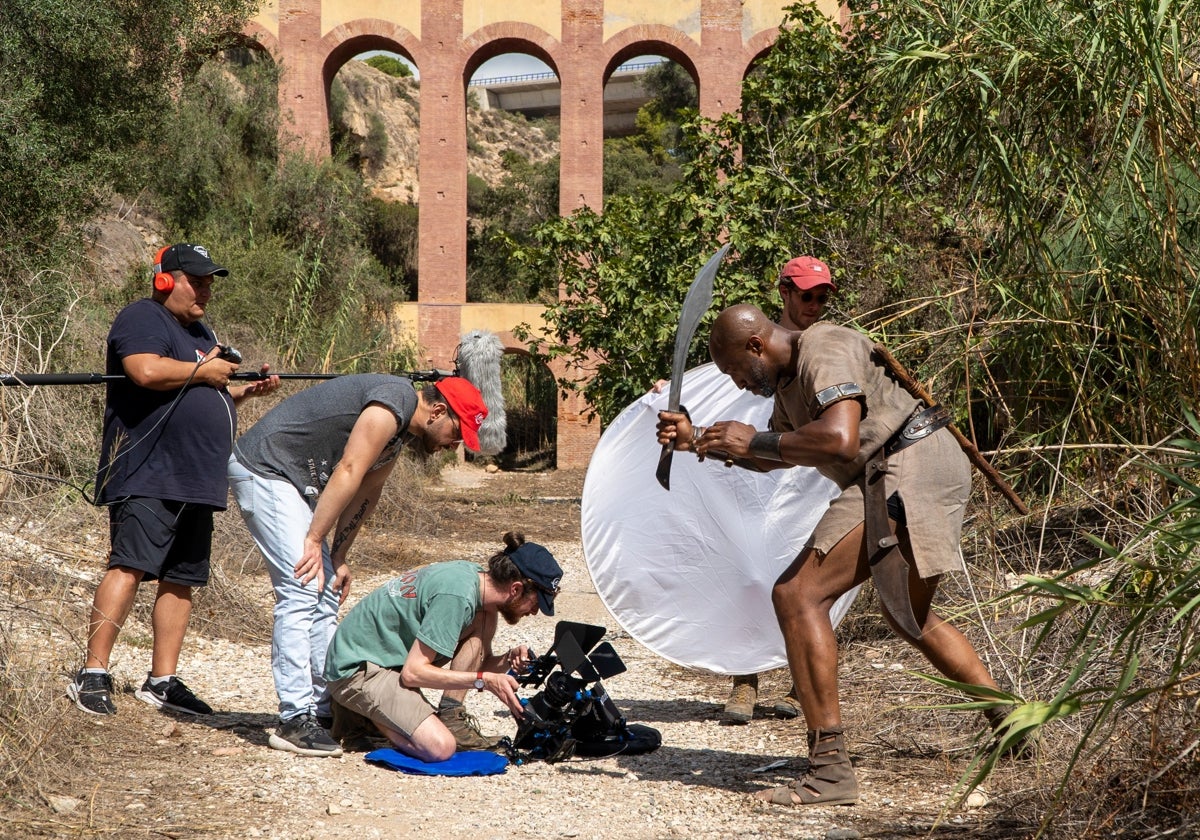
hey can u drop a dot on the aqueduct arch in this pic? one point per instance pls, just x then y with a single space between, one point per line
582 40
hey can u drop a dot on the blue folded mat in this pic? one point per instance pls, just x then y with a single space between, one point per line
470 763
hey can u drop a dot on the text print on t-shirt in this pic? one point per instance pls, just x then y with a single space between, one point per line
404 586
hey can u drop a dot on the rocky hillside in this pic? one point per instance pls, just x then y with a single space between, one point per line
396 104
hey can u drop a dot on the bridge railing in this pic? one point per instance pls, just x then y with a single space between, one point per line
639 67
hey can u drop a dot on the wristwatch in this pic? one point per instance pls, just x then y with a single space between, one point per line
479 681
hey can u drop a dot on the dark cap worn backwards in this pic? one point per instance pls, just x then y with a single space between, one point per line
539 565
192 260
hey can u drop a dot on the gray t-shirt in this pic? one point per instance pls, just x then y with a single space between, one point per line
302 439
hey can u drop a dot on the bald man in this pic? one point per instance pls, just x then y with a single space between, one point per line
835 410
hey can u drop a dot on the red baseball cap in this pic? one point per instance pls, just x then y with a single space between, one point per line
466 402
807 273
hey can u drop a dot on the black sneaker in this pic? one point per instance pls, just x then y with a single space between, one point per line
173 696
92 693
353 731
304 736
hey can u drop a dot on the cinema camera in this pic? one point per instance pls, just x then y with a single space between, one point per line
573 713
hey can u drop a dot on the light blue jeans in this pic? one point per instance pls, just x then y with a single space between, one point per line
278 518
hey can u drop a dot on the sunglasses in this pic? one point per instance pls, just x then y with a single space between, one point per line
806 297
456 425
546 590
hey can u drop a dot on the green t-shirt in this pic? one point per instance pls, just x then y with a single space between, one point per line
433 603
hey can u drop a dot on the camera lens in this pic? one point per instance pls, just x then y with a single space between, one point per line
555 699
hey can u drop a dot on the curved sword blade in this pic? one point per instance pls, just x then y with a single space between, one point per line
695 304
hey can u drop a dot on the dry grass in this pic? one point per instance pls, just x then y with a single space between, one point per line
1138 780
40 611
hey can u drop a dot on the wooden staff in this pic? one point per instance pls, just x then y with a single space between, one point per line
918 390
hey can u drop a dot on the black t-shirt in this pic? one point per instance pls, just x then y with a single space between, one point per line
154 446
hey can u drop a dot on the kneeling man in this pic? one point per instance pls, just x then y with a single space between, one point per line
398 638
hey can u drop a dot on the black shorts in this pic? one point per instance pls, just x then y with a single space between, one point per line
169 541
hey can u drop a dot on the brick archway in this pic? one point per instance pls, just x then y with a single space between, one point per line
500 38
447 40
653 40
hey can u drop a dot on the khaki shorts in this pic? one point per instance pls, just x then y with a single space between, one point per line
377 694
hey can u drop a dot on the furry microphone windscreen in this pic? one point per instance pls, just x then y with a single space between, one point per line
478 361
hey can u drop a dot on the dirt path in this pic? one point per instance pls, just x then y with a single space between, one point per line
145 774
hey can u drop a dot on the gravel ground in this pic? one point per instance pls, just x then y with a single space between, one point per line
145 774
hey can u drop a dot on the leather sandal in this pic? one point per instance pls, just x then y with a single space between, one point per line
1022 748
830 777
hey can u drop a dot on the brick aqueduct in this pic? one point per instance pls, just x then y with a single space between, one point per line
583 41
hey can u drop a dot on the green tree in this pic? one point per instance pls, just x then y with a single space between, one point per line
1064 135
1006 192
629 166
673 103
392 238
312 256
84 85
781 178
525 198
391 65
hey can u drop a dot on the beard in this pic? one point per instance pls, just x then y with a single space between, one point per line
508 610
760 380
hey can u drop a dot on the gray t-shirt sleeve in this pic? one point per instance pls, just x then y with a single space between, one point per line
302 439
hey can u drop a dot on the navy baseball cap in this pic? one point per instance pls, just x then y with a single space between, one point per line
539 565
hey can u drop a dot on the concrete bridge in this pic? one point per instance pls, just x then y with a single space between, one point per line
537 95
582 41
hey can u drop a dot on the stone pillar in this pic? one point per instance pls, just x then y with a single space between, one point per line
581 178
722 57
581 138
302 98
442 248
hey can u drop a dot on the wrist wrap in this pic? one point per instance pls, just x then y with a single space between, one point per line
765 445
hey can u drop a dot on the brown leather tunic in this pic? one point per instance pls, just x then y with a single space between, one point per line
933 477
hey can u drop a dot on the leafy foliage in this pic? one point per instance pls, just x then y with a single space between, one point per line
775 180
391 228
1069 130
1129 622
82 82
525 198
673 103
1006 194
390 65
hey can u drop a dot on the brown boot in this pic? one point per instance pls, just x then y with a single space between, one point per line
739 708
465 729
788 706
830 777
355 732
